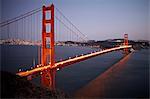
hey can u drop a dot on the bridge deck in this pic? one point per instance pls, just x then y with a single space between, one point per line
71 61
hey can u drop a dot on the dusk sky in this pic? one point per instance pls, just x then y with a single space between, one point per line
98 19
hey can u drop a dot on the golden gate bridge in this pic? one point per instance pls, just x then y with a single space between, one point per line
55 28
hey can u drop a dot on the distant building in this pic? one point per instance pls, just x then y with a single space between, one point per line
91 41
115 40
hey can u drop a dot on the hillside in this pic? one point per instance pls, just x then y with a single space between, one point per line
13 86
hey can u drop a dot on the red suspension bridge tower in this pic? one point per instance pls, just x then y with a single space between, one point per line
48 50
126 50
48 36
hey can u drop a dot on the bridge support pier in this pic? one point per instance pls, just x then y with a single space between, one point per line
48 79
29 77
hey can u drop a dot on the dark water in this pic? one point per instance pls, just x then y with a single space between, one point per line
132 80
75 76
15 57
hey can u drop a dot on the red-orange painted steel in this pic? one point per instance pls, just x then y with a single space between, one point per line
126 50
48 79
48 50
48 53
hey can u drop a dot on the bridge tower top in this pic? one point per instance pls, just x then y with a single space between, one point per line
125 39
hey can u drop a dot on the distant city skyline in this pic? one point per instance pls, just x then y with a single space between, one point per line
98 19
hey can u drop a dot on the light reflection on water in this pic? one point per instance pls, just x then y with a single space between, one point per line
98 86
74 77
128 79
77 75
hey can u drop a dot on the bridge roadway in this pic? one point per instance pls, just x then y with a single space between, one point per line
70 61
